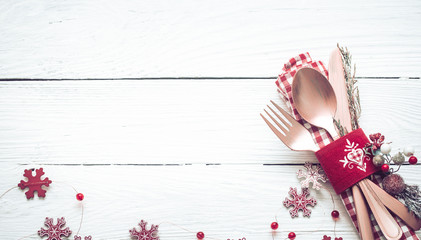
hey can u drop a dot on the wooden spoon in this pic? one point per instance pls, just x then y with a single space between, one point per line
387 223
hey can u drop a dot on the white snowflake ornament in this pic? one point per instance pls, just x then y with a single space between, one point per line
312 174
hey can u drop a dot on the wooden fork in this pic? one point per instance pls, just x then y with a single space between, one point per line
292 133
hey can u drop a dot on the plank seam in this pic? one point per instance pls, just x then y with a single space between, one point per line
168 78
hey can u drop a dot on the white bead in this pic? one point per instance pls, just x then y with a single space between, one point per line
386 148
408 151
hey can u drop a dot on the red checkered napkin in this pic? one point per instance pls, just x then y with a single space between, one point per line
284 83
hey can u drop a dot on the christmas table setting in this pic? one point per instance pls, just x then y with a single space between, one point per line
213 120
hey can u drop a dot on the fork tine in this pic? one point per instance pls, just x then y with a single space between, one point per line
294 135
287 124
284 113
276 131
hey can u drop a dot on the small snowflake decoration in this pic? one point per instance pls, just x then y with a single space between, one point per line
300 202
145 234
312 175
54 232
329 238
80 238
34 183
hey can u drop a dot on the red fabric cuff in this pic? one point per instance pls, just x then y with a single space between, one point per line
345 162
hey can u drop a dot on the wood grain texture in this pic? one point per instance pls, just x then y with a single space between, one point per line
223 201
191 152
89 39
139 128
174 121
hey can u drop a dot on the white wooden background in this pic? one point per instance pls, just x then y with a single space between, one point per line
174 144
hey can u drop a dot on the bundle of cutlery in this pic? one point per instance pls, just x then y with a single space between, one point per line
334 107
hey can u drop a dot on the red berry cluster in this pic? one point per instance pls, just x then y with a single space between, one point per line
377 140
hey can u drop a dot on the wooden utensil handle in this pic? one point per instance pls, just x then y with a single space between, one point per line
387 223
396 207
364 223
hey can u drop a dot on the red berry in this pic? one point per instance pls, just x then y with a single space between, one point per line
385 168
80 196
291 235
412 160
335 215
274 225
200 235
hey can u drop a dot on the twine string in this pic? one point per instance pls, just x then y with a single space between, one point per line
185 229
81 204
82 209
10 189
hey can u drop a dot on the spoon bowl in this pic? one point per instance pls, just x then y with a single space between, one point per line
315 99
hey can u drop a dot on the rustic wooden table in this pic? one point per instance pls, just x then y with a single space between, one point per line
157 117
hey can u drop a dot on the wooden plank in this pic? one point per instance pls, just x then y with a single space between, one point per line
80 39
174 122
223 201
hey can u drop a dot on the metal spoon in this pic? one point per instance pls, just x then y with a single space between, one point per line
315 99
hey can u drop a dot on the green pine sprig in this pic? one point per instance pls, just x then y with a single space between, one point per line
351 87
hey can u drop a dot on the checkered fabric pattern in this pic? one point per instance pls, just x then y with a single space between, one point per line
322 138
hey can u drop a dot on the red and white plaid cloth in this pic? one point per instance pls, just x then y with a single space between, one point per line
284 83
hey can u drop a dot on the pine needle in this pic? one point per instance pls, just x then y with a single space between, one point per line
351 88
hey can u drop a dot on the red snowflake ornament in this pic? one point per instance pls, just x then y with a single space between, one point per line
34 183
329 238
80 238
54 232
312 175
144 234
300 202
